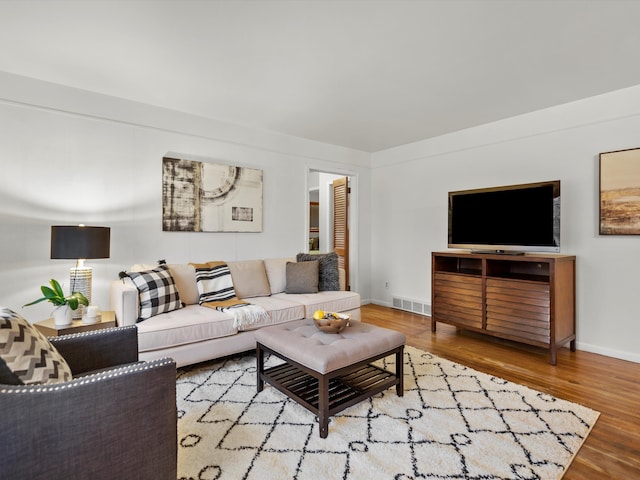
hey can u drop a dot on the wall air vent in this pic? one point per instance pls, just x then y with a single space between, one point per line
410 305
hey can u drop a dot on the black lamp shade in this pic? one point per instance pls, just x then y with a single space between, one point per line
80 242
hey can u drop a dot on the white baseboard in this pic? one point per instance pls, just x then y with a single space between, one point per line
608 352
381 303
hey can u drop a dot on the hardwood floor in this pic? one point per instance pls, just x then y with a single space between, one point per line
605 384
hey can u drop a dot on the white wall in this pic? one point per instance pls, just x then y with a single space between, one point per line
69 157
409 198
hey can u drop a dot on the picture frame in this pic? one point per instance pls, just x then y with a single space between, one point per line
620 192
210 197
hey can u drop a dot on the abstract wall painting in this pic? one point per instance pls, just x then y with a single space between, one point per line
620 192
208 197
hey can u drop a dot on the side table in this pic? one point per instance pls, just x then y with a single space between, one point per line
50 329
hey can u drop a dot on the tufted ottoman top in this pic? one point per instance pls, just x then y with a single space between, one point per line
302 342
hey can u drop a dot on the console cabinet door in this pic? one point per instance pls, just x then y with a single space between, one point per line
458 299
519 310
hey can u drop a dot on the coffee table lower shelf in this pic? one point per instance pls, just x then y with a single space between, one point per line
330 393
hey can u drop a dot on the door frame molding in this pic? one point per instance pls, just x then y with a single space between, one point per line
354 262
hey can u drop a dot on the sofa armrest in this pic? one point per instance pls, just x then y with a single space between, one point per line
124 302
98 349
121 423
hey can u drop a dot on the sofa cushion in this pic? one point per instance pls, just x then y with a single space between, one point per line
276 269
279 310
157 290
328 269
141 267
302 277
185 278
27 357
191 324
249 278
333 301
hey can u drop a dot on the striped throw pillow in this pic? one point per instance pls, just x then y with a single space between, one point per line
214 281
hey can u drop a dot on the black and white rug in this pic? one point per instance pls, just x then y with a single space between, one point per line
452 423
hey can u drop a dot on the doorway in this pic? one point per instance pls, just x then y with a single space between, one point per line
332 214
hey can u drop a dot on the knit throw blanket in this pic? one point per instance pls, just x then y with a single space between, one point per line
216 290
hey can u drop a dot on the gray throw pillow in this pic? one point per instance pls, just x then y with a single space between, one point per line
302 277
327 268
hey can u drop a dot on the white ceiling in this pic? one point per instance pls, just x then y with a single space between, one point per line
368 75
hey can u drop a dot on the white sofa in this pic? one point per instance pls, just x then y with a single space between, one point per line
196 333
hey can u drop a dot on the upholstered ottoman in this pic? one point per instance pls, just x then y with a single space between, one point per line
325 372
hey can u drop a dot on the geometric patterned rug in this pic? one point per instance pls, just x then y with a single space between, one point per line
452 423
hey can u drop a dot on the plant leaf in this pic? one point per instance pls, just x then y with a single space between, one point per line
78 298
36 301
55 295
48 293
56 286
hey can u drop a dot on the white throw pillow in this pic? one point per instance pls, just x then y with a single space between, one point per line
277 273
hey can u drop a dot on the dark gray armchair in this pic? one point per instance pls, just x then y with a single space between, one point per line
120 423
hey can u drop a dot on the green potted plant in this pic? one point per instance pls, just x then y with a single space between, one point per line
63 303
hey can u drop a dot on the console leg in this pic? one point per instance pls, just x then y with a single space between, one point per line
572 345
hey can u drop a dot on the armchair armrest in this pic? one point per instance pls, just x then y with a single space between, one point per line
124 302
120 423
98 349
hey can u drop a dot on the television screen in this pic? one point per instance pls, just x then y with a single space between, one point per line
508 218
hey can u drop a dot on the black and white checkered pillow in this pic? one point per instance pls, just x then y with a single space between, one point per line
158 291
26 355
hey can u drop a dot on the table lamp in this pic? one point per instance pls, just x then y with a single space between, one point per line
80 243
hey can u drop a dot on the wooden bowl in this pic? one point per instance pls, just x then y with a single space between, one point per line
333 325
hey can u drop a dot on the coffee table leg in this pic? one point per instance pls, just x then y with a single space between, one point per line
259 366
400 371
323 406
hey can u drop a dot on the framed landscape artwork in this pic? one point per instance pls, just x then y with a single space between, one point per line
620 192
208 197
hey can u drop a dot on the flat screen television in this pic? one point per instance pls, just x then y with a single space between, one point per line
507 219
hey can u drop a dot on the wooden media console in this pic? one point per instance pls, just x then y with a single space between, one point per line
527 298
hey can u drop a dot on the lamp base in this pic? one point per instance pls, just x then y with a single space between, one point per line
80 282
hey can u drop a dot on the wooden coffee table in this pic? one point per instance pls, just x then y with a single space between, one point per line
326 373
